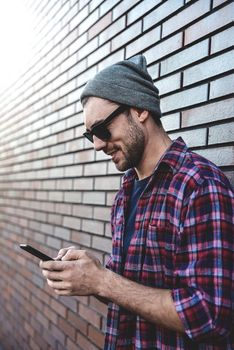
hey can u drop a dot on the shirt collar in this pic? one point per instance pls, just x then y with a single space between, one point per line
174 156
172 159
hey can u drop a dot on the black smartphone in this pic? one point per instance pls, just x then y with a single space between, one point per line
35 252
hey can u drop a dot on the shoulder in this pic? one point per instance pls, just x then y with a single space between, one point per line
197 171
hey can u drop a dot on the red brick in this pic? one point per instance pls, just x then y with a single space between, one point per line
115 28
98 306
100 25
58 307
84 343
71 345
58 334
67 328
96 336
50 314
89 315
210 23
70 303
78 322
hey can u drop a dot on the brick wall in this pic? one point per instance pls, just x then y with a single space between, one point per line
55 191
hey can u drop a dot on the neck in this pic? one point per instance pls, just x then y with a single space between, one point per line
156 146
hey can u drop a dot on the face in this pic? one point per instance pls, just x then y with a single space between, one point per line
126 142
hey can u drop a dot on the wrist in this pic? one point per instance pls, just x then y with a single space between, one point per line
104 285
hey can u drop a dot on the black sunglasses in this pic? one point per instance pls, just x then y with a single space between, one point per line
100 129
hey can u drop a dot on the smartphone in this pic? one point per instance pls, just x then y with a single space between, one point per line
35 252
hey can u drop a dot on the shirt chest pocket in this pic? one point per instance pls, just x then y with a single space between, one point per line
160 253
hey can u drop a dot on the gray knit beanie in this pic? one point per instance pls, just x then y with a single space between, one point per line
126 82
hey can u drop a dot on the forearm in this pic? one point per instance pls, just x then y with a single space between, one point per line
152 304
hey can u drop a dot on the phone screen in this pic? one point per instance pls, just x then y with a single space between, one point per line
35 252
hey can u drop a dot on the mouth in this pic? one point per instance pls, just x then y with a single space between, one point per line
113 155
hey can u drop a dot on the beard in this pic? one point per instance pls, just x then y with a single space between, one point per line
133 149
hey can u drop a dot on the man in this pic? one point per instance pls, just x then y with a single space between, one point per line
169 279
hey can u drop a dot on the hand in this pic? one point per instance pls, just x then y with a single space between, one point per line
78 273
63 252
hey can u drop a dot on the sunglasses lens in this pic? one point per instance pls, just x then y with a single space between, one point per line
102 133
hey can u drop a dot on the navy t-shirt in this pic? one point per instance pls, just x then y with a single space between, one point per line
138 188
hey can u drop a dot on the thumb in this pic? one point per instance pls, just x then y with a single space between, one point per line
72 254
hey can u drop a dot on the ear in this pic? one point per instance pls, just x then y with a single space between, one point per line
143 115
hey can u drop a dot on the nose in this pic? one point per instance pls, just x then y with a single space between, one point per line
98 143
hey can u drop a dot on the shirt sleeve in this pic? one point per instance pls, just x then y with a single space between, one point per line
204 263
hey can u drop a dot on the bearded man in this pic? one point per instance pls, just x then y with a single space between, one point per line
169 279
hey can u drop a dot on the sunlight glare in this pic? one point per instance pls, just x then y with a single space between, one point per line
16 39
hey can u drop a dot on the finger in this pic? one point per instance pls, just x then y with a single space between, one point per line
52 265
59 285
73 254
63 292
53 276
62 252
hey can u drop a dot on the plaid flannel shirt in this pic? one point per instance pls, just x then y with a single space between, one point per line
183 241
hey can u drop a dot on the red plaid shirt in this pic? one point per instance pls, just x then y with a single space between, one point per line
183 241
